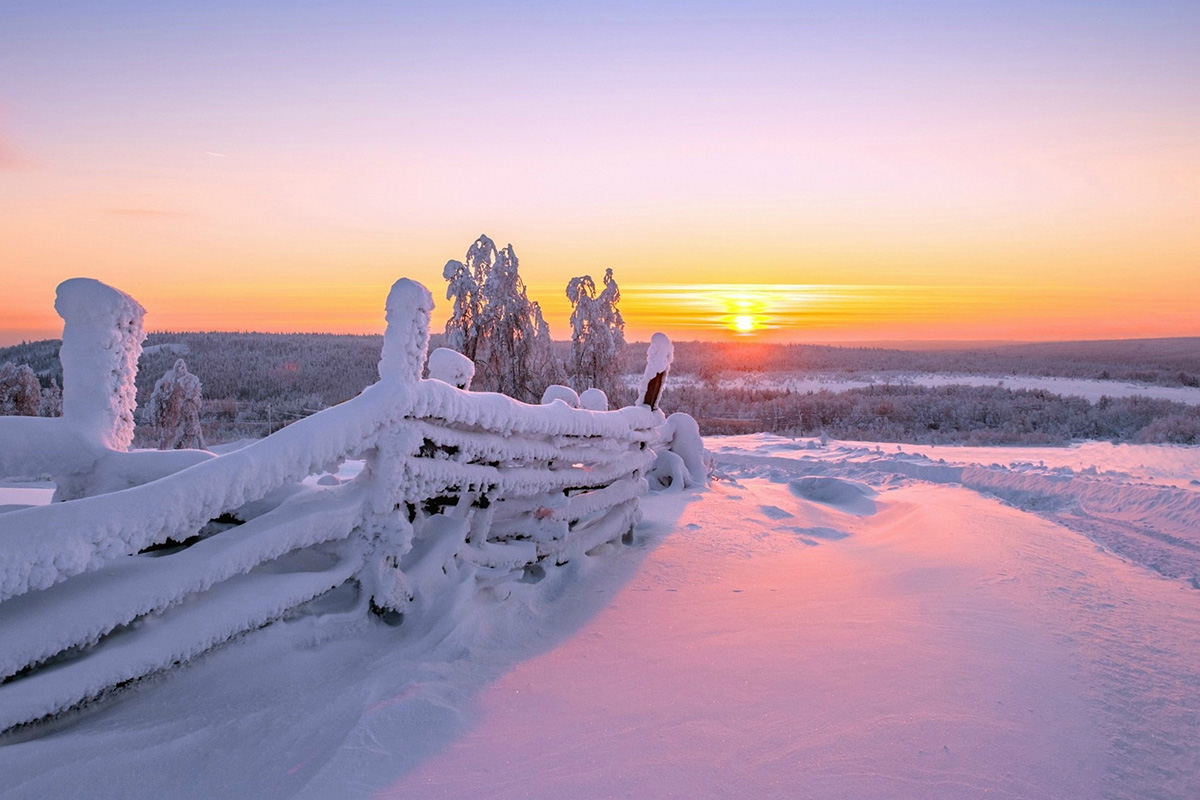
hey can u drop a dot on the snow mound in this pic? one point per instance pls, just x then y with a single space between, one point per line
559 392
593 400
849 496
452 367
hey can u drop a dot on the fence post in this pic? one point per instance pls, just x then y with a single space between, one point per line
659 356
101 343
406 340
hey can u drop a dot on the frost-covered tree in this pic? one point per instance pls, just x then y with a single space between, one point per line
597 335
51 402
494 323
174 409
20 392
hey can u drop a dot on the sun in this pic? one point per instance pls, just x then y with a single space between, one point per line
744 323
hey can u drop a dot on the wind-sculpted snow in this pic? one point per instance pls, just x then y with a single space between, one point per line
844 495
1155 524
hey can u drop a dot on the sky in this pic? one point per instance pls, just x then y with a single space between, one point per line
825 171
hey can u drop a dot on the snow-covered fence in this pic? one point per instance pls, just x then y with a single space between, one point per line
457 489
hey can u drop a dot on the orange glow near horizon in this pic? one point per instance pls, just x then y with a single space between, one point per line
719 311
749 171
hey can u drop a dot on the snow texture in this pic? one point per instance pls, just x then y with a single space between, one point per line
946 642
682 460
451 367
557 391
102 340
406 340
593 400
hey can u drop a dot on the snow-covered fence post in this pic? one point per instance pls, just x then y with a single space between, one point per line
406 340
388 534
659 356
101 344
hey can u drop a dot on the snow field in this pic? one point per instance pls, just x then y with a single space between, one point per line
792 641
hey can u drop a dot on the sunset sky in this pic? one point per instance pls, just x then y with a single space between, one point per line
826 171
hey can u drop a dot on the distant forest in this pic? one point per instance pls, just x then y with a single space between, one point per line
254 383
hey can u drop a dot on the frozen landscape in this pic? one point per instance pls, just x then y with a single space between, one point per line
822 423
846 620
430 591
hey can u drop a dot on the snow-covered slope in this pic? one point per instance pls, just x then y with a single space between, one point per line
841 621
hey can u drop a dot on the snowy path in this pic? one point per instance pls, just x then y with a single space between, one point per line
943 646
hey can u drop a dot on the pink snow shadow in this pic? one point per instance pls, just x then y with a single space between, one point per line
849 496
738 666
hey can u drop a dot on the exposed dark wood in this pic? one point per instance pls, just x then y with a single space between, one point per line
654 391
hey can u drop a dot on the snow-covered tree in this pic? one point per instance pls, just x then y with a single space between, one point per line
597 335
51 402
20 392
494 323
174 409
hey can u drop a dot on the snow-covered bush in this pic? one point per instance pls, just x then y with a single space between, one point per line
597 334
494 323
51 401
174 410
20 392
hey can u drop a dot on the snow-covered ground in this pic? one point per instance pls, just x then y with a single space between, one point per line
1088 388
843 621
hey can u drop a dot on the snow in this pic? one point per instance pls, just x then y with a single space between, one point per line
87 606
659 355
826 619
833 621
556 391
406 340
593 400
451 367
1090 389
102 340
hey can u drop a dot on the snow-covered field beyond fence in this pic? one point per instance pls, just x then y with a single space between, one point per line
834 622
1090 389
